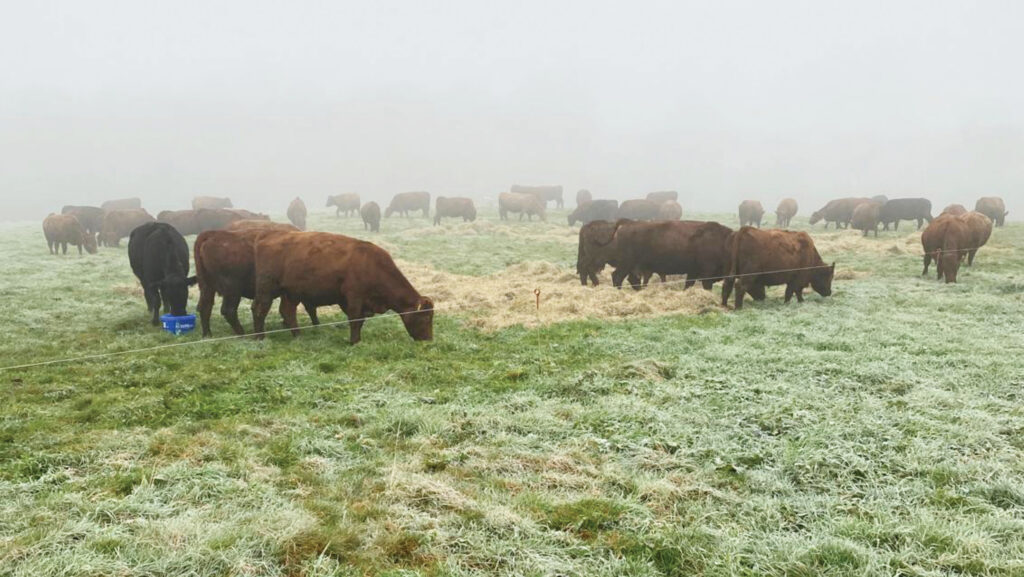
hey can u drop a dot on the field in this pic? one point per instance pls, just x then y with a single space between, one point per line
876 432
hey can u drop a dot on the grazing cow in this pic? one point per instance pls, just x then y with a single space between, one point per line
260 225
122 204
61 230
839 211
220 218
670 210
297 213
583 197
545 193
992 207
751 212
406 202
946 239
979 228
522 203
183 221
456 207
919 209
865 217
693 248
785 212
596 249
638 209
347 202
594 210
118 224
880 199
763 258
663 196
371 216
212 202
954 209
90 217
324 269
158 255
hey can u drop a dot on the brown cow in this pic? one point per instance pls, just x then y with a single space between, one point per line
324 269
979 228
211 202
670 210
751 212
785 212
954 210
596 249
183 221
90 217
638 209
992 207
122 204
406 202
220 218
456 207
590 211
763 258
896 209
663 196
61 230
247 215
261 225
582 197
839 211
693 248
347 202
371 216
297 213
946 239
118 224
865 217
522 203
543 192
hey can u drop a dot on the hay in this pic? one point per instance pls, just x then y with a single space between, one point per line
854 241
550 231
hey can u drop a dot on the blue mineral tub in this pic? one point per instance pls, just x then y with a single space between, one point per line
178 325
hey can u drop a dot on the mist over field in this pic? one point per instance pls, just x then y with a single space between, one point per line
262 101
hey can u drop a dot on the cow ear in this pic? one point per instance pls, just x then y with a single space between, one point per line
425 303
190 281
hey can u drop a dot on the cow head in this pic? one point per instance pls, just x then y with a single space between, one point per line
949 263
471 213
816 217
821 280
89 242
330 201
419 321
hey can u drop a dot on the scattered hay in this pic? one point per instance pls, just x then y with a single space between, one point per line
855 241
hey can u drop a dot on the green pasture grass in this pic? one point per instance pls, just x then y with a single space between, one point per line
876 432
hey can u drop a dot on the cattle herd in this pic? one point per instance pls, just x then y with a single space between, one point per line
242 254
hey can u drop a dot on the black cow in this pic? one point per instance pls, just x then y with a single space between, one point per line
158 255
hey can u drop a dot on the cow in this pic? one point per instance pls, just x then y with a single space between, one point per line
583 197
121 204
638 209
61 230
751 212
946 239
880 199
118 224
545 192
90 217
370 212
297 213
838 211
670 210
225 266
455 207
220 218
865 217
597 248
979 228
693 248
594 210
954 209
158 255
212 202
246 215
322 269
896 209
785 212
406 202
992 207
663 196
347 202
762 258
522 203
183 221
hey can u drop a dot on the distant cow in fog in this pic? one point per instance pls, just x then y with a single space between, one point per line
522 203
880 199
992 207
865 217
693 248
371 216
670 210
118 224
90 217
946 239
751 212
838 211
406 202
259 225
210 202
663 196
159 258
594 210
979 229
545 192
122 204
218 218
954 209
582 197
785 212
763 258
297 213
454 207
347 203
61 230
638 209
896 209
183 221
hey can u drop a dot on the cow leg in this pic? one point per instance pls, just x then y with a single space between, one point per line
727 285
637 282
204 308
689 283
740 291
789 294
896 226
927 261
260 308
229 310
64 247
799 294
707 284
593 279
153 303
353 309
79 249
287 310
970 257
618 275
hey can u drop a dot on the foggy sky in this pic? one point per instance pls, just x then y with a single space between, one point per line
264 101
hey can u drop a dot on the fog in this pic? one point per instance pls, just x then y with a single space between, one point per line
265 101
